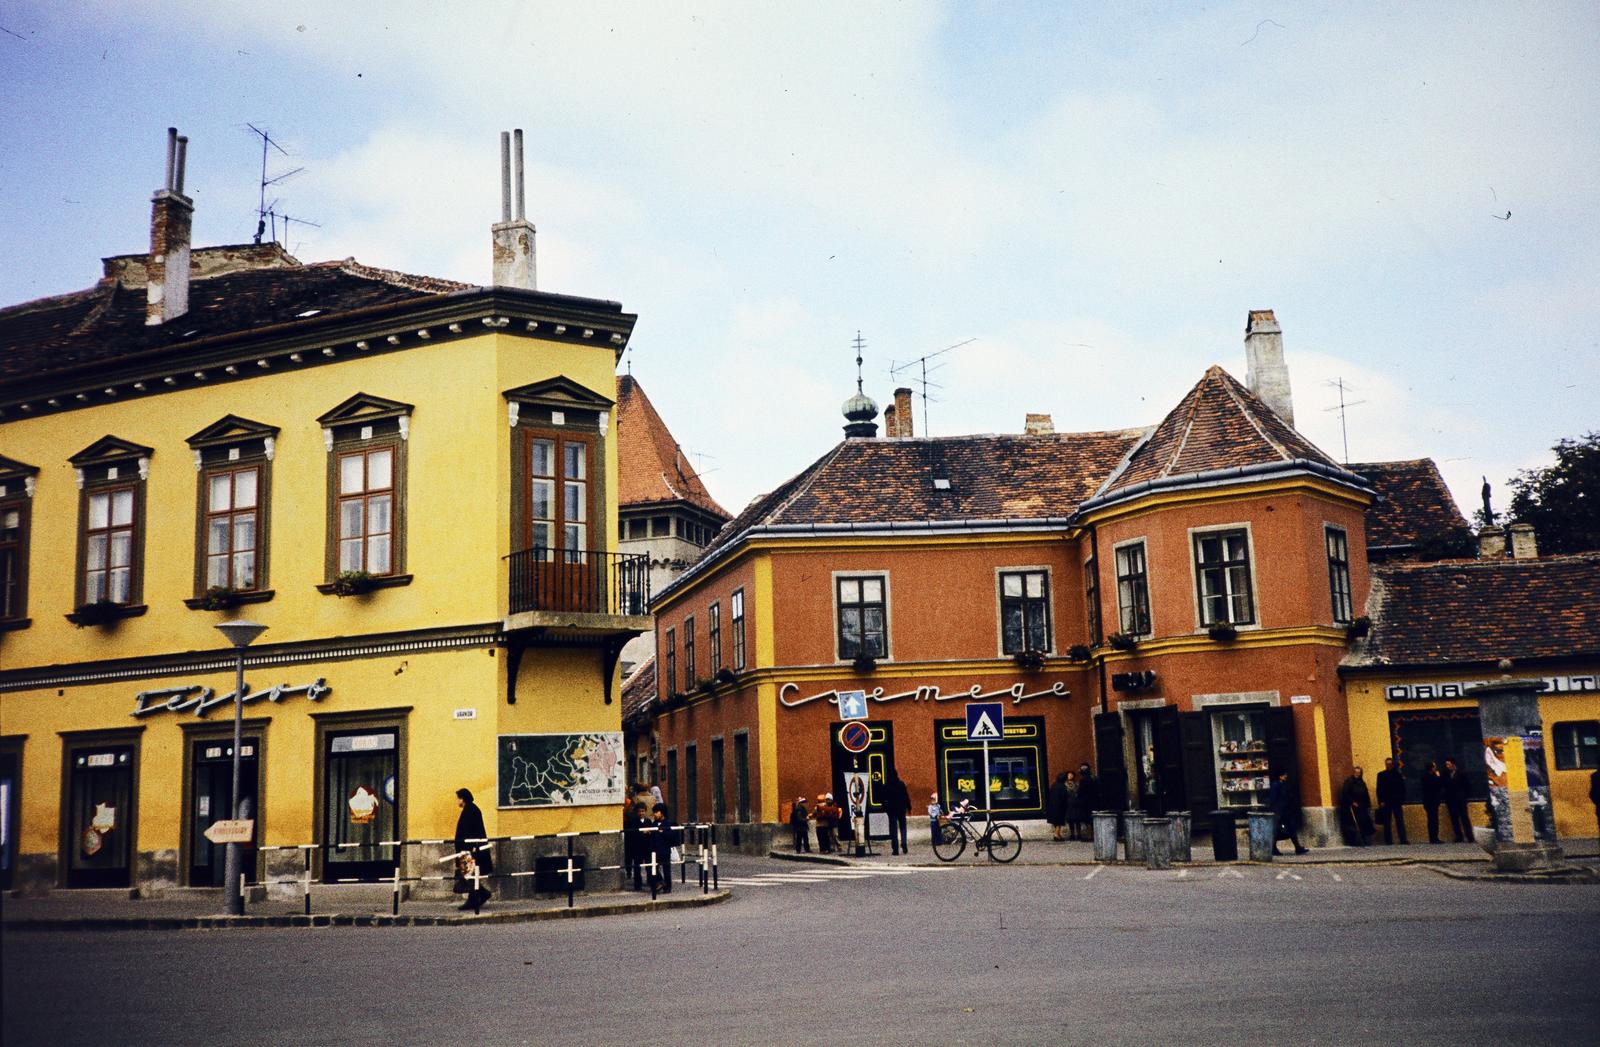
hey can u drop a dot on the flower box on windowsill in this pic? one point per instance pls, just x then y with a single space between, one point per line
1030 661
1223 632
104 612
864 663
1357 628
1079 652
707 686
349 584
236 598
1122 642
725 675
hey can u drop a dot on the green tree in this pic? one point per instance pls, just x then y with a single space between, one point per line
1562 501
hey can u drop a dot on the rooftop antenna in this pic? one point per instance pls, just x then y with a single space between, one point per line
1338 383
921 363
267 215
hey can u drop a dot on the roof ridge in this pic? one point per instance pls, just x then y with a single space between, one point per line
1255 423
803 479
1188 429
56 301
410 281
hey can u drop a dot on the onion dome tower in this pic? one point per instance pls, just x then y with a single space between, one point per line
860 410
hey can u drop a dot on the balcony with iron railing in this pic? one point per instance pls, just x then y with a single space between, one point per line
579 589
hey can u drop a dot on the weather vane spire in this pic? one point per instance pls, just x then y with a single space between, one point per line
860 344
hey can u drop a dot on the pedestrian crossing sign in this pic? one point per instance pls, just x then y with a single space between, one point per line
986 721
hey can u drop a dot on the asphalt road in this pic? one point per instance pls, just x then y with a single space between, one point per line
806 954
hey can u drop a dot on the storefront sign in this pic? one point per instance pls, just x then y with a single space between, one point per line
201 700
1435 690
930 693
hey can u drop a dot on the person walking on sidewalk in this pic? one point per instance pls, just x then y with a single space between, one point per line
1355 810
897 804
1432 796
1392 801
1088 793
666 839
1283 799
1079 813
1055 807
470 834
800 822
1456 791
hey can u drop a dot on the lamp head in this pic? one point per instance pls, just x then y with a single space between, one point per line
241 633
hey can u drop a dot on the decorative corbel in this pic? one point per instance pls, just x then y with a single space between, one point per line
270 445
327 438
144 468
405 426
199 459
605 422
512 408
77 474
29 482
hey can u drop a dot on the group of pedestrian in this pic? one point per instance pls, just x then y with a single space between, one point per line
1449 787
648 840
826 814
1070 804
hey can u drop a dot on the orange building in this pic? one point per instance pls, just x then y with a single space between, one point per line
1170 605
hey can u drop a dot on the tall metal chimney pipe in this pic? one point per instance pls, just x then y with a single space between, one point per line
521 214
505 176
183 160
172 157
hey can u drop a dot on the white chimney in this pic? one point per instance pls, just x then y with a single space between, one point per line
513 234
1038 425
1265 372
171 216
1523 544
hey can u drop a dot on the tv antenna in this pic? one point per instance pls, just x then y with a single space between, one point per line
920 364
267 214
1339 384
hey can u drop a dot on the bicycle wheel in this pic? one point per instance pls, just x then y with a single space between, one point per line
1005 843
948 842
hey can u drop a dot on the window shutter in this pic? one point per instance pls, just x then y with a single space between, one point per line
1199 764
1111 767
1169 757
1280 743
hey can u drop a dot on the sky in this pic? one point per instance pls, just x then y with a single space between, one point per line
1089 196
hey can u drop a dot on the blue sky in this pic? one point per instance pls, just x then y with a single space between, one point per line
1095 193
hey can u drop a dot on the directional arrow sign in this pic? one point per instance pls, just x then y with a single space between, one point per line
232 830
986 721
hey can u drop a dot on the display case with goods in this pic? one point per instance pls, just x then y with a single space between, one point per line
1241 754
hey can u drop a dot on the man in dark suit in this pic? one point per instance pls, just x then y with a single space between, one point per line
1391 801
1456 791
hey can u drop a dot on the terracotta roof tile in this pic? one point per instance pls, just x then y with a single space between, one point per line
1414 506
638 688
651 465
1479 611
1218 424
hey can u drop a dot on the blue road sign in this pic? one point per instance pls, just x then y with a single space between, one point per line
986 721
852 705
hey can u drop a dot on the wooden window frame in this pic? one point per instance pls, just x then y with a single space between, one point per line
689 677
1133 588
1043 603
1577 749
1227 567
593 489
672 661
1340 593
107 486
859 608
364 437
205 514
16 616
714 636
736 607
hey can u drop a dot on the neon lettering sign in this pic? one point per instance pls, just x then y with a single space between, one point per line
201 700
930 693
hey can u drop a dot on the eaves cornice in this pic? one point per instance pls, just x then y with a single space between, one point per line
320 340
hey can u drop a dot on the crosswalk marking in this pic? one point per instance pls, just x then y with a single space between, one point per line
1230 872
816 875
1337 878
1288 874
1095 873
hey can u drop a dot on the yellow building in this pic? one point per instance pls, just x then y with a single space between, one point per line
1438 629
411 482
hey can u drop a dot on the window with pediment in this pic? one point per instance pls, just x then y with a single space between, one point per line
16 502
233 459
111 475
366 437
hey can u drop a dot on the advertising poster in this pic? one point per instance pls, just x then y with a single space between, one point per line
560 770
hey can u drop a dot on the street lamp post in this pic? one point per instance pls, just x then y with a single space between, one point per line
239 633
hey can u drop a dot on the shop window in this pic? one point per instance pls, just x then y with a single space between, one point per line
1243 776
719 788
672 662
1577 745
1024 611
1133 590
1016 767
1339 573
367 440
736 610
689 677
714 635
1433 736
100 809
863 617
1222 574
741 776
13 560
112 474
1091 594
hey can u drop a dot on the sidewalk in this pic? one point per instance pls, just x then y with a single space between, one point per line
114 910
1039 849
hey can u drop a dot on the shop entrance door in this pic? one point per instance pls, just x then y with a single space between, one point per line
211 799
361 804
10 805
877 760
100 817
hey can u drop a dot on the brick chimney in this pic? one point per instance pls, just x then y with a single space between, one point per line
903 414
1039 425
171 216
1523 545
514 263
1491 543
1265 371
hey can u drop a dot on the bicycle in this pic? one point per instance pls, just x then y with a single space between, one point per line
1000 839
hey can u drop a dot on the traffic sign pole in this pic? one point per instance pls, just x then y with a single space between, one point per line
988 794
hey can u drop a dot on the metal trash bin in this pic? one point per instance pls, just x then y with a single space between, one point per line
1133 835
1224 844
1105 836
1263 832
1179 834
1157 843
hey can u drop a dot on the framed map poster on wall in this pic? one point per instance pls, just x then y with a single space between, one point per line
560 770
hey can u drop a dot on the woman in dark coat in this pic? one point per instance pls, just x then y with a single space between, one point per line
1079 813
1055 810
1432 797
1283 799
1355 810
666 838
469 835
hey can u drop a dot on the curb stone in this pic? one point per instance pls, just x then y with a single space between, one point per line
207 923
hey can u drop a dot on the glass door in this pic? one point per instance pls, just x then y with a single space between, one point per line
100 817
211 800
361 804
10 805
566 573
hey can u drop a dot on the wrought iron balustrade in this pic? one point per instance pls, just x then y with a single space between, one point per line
580 580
